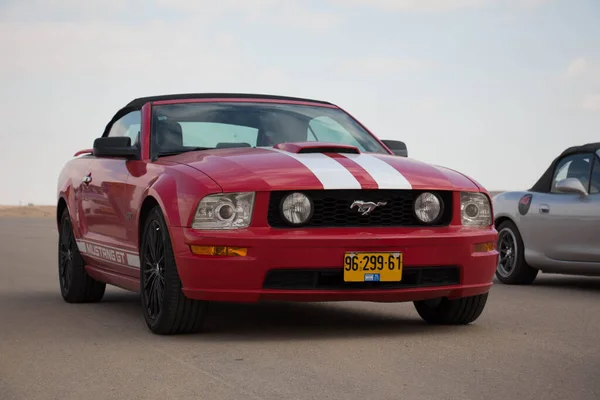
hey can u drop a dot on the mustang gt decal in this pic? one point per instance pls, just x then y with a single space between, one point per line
107 253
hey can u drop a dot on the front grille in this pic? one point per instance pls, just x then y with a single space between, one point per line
332 208
333 279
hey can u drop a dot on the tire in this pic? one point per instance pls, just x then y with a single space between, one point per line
512 269
461 311
166 309
76 286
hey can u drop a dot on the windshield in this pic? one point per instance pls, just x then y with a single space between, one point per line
190 126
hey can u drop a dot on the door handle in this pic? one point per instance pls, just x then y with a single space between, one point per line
87 179
544 208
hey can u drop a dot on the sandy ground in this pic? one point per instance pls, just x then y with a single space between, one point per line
27 211
49 211
539 342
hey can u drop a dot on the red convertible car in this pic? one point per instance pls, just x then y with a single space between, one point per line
195 198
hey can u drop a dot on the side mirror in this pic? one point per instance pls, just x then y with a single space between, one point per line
118 146
397 147
571 185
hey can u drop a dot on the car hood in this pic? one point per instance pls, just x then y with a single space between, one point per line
293 167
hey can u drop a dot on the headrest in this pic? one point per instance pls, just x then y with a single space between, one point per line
578 168
278 128
169 135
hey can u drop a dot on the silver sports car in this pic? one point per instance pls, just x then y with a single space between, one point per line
554 227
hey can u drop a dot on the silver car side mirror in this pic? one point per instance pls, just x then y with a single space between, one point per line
571 185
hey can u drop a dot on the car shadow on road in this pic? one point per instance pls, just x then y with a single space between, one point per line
255 322
566 282
297 321
292 321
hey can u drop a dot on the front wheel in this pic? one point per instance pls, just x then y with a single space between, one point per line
461 311
512 268
165 307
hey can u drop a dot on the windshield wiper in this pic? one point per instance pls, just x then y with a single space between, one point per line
175 152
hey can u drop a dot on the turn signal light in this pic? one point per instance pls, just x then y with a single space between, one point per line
484 247
219 251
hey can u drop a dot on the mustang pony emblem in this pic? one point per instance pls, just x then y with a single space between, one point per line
365 207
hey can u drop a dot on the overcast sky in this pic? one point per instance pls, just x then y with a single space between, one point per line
492 88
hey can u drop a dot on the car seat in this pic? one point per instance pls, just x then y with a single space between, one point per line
580 169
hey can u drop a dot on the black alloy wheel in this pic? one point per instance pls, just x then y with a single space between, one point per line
65 257
512 268
166 309
507 249
76 286
153 271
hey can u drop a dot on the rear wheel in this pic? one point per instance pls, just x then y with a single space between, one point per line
459 311
165 307
76 286
512 268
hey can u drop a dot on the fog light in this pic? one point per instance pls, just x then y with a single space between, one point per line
484 247
428 208
219 251
297 208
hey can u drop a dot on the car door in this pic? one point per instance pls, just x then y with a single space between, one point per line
107 203
565 226
81 193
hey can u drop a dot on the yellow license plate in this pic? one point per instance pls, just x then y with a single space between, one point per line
373 267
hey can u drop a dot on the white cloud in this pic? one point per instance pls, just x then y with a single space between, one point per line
414 5
531 3
591 102
90 37
279 13
577 67
101 48
221 5
383 65
427 105
64 9
584 77
438 5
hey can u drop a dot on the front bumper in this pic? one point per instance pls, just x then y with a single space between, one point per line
307 265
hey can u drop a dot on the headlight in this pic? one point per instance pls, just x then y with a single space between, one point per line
428 207
475 209
296 208
224 211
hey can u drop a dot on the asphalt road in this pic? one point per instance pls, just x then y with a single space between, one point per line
538 342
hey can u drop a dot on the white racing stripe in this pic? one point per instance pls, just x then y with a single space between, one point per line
108 253
386 176
329 172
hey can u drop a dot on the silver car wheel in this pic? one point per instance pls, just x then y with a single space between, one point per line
507 247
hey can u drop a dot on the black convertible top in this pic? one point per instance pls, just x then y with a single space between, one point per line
137 104
543 184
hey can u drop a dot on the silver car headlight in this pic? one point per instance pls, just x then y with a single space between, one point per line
224 211
475 209
428 207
